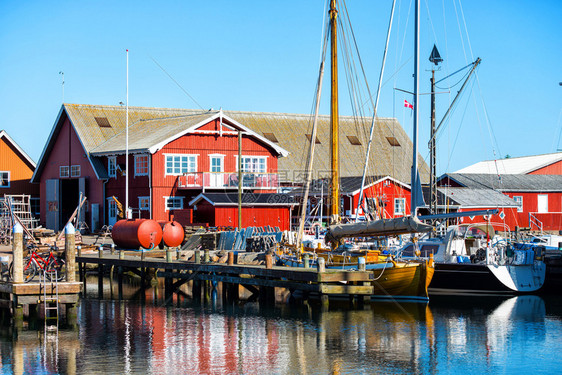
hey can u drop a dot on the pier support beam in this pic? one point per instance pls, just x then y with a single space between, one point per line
70 252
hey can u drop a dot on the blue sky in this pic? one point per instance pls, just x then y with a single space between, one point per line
264 56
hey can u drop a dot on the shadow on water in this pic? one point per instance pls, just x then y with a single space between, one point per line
148 332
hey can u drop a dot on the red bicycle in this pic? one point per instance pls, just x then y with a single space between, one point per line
34 263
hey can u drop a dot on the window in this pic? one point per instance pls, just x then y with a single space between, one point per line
141 165
309 137
103 122
393 141
180 164
63 171
271 137
5 179
75 171
399 206
519 200
354 140
174 203
254 164
144 203
111 166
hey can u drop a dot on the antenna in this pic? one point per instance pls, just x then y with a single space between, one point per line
62 73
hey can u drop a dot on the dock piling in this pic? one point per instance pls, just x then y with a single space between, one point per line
17 251
70 252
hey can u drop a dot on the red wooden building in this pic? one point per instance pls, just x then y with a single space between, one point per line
16 170
538 196
173 157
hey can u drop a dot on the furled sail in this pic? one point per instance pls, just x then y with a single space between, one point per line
382 227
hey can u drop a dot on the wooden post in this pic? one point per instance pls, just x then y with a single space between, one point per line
321 265
197 256
79 253
207 256
17 251
268 261
306 261
121 254
100 251
70 252
112 248
168 254
230 258
361 264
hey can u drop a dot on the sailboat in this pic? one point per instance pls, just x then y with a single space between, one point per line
392 278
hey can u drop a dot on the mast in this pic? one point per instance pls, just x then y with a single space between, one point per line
435 58
334 118
414 178
127 211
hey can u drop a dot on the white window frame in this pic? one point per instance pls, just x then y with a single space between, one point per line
519 199
147 207
64 171
73 169
191 166
112 166
7 179
211 157
259 160
137 158
400 209
176 199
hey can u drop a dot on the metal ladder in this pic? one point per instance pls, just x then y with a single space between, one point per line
50 298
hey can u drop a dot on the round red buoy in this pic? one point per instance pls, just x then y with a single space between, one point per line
172 233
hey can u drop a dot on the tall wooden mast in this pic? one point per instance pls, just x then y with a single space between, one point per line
334 118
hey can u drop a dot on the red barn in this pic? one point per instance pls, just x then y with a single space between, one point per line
173 157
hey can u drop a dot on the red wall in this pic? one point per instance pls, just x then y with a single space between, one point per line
387 190
551 220
68 150
498 223
251 216
555 168
165 186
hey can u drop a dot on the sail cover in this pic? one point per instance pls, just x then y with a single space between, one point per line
383 227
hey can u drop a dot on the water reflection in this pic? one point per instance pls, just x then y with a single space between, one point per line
472 335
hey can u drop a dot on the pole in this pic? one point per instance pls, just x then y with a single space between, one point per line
334 116
414 182
239 180
127 145
432 147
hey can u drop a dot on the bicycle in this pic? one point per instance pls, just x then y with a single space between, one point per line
34 263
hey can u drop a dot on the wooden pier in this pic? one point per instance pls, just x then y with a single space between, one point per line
260 280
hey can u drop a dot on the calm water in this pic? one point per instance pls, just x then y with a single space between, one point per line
463 335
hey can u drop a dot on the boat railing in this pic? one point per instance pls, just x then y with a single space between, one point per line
533 220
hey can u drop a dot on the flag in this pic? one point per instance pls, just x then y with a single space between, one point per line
406 104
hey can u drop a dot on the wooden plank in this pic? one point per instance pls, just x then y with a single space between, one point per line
33 300
290 273
346 289
35 288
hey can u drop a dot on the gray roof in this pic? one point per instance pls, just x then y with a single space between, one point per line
248 199
391 148
509 182
474 197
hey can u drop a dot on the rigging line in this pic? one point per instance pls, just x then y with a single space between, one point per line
375 107
176 82
459 70
430 20
488 122
460 31
459 81
466 31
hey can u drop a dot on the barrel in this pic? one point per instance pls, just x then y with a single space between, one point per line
172 233
137 233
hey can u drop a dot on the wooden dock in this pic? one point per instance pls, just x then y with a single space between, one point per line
258 279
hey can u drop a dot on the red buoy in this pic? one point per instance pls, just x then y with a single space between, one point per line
172 233
133 234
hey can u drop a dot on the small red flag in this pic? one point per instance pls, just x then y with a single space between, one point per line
408 105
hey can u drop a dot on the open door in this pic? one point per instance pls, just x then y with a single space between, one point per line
82 193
